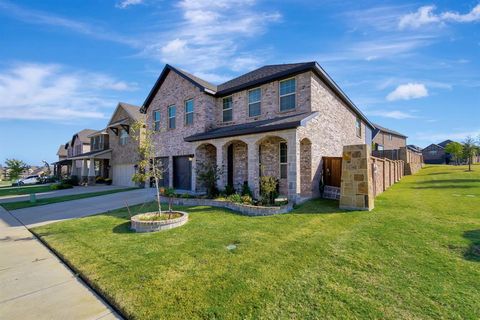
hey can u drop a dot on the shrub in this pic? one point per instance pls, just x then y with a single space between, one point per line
235 198
108 181
247 199
268 189
61 186
229 190
246 190
208 175
73 180
100 180
186 196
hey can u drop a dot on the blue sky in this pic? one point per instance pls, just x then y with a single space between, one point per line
410 66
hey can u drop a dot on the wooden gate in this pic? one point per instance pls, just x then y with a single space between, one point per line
332 171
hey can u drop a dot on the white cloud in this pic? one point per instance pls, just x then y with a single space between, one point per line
408 91
44 18
126 3
426 16
50 92
211 36
393 114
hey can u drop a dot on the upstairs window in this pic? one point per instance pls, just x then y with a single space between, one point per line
156 120
171 117
189 112
254 104
283 160
287 94
390 137
358 127
227 109
123 137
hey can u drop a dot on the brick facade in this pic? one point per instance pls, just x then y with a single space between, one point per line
389 141
324 134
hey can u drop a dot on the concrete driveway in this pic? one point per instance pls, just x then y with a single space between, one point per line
40 215
59 193
35 284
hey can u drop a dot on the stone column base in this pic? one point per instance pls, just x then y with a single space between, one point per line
84 179
91 181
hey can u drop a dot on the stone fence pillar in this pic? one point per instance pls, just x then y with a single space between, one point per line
356 190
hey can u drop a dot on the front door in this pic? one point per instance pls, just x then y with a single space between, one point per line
182 172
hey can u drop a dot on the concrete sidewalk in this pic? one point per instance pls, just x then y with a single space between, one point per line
46 214
59 193
35 284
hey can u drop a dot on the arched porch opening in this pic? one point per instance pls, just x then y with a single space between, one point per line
205 158
273 160
235 159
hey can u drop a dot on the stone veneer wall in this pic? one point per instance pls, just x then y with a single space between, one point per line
356 184
413 161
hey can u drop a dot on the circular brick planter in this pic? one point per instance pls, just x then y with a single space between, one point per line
139 225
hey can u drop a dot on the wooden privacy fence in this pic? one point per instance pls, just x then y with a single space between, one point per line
385 172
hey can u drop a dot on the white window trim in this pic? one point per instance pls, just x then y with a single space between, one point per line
159 120
231 108
280 159
170 117
358 133
187 113
125 139
280 96
249 103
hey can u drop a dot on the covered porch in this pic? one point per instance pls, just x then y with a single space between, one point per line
62 168
244 159
94 164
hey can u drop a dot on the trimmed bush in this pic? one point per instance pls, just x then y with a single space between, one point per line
108 181
246 190
61 186
235 198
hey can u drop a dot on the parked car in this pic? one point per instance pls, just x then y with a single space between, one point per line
29 180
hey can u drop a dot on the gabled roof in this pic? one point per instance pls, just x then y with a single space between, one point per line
435 145
83 136
443 144
255 78
414 148
62 152
279 123
132 111
379 128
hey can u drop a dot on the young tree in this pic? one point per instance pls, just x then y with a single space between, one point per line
148 167
469 150
15 168
455 149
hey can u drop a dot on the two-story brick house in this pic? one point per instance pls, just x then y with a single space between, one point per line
79 144
278 120
387 139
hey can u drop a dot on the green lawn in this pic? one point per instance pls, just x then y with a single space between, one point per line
41 202
11 191
416 256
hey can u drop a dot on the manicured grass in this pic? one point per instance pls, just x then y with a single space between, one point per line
10 191
416 256
41 202
5 184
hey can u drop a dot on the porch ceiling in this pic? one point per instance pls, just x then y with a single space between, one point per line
279 123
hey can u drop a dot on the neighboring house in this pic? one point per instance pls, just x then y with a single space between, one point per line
2 173
79 144
435 153
414 148
124 148
278 120
387 139
63 166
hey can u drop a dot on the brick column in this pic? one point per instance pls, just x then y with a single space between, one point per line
91 172
170 172
356 186
194 172
221 167
84 173
253 169
293 174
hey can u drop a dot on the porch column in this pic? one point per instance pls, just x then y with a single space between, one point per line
91 172
170 172
293 158
220 166
194 171
253 169
84 173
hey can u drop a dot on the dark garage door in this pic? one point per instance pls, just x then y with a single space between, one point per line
182 173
